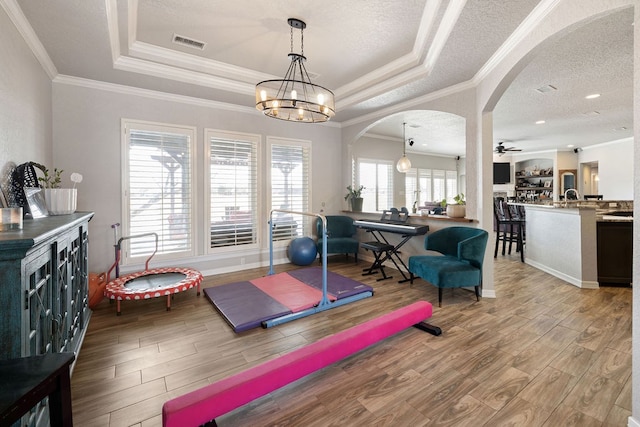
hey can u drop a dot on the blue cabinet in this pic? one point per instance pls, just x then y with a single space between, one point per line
44 290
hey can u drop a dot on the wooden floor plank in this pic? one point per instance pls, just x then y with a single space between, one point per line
542 353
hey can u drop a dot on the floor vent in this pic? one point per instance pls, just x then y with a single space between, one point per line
185 41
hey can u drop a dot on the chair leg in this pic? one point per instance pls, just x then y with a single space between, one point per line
477 293
439 297
495 253
410 278
356 256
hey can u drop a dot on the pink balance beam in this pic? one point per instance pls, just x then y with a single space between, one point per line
207 403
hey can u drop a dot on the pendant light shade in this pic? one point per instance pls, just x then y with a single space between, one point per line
404 164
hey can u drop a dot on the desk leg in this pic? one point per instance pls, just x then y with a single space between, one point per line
60 412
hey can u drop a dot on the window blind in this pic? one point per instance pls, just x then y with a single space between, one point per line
233 191
289 188
159 193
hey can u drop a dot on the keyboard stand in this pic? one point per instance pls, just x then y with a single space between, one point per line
379 249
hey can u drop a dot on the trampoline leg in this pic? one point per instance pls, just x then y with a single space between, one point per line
118 313
168 302
199 286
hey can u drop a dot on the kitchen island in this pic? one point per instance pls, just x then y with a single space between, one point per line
562 238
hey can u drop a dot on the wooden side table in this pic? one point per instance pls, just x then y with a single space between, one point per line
28 380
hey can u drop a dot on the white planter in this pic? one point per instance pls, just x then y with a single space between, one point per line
456 211
61 201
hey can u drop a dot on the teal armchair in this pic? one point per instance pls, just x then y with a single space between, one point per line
340 236
460 264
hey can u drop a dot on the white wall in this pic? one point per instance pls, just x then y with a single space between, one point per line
25 102
384 149
615 168
86 134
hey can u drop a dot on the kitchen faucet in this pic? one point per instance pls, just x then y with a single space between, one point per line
566 194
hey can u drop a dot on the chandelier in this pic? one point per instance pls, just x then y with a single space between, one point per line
295 98
404 164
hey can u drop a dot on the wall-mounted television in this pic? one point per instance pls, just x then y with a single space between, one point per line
501 173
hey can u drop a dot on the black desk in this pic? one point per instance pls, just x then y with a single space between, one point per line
28 380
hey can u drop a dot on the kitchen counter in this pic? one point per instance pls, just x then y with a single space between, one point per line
570 240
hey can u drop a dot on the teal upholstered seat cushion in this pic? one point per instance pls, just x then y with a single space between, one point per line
460 263
340 235
445 271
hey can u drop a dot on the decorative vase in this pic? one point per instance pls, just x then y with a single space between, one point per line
61 201
356 204
456 211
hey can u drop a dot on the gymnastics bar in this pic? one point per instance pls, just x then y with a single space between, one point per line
205 404
325 303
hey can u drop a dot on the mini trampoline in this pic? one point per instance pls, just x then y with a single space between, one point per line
153 283
150 283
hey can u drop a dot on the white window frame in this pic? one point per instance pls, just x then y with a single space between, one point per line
448 175
367 192
190 131
306 221
229 135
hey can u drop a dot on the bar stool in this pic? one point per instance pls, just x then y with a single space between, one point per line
508 228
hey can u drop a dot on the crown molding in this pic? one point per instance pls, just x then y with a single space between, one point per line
111 9
162 96
161 55
149 68
451 15
366 90
26 31
407 105
525 28
350 91
148 93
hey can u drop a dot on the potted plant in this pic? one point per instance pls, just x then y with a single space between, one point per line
457 209
354 196
60 201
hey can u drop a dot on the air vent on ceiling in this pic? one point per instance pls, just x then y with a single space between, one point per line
186 41
546 88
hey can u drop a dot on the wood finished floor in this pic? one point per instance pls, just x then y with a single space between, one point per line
544 353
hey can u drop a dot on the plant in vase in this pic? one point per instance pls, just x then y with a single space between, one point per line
354 196
457 209
60 201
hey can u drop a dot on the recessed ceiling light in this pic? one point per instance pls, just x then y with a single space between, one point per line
540 122
570 146
546 88
621 128
592 96
591 113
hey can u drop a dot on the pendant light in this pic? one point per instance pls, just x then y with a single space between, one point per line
404 164
295 98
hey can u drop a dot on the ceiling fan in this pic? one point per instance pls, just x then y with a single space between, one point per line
501 149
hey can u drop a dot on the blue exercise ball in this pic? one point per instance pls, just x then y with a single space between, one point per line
302 251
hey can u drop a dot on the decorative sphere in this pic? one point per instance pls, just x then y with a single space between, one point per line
302 251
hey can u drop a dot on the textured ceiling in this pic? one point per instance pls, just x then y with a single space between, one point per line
372 54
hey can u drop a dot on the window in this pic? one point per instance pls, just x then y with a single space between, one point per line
158 189
431 185
377 178
289 178
232 175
